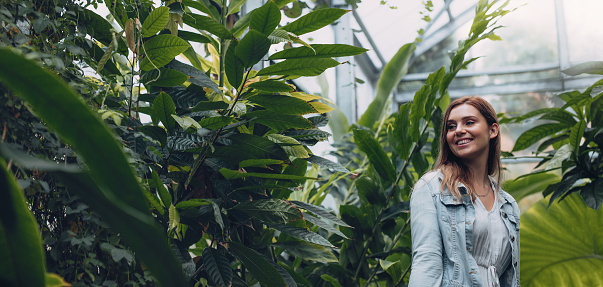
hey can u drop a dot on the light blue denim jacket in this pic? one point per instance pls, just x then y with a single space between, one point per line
442 236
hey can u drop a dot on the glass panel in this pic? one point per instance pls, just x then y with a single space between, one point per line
585 36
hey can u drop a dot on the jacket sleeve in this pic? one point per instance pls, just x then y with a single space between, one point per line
427 265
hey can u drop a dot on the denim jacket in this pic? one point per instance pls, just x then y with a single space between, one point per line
442 236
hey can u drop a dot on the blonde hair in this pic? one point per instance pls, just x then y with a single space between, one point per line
452 168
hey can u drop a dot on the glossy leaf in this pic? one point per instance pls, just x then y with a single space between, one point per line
234 67
321 161
259 267
370 191
307 251
561 245
155 22
197 77
260 147
277 121
318 222
314 20
265 19
259 162
392 73
208 24
313 134
375 153
233 174
299 67
592 193
155 132
576 134
166 197
283 104
320 211
394 269
193 37
528 185
271 86
302 234
291 146
535 134
160 50
163 78
21 251
100 29
252 48
54 280
319 51
203 6
235 6
217 266
164 108
270 210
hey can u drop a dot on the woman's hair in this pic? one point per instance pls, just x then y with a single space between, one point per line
452 168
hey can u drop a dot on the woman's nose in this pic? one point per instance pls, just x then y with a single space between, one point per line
460 130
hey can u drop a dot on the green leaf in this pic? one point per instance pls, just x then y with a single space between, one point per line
561 154
208 24
299 67
155 22
530 184
21 251
321 161
265 19
203 6
319 51
186 122
318 222
302 234
163 78
375 153
234 67
214 123
258 146
283 104
330 279
576 134
566 238
270 210
593 68
208 106
291 146
193 37
155 132
197 77
259 162
561 116
259 267
392 73
592 193
320 211
307 251
54 280
234 6
233 174
394 269
100 29
160 50
370 191
278 121
217 266
313 134
164 194
535 134
314 20
271 86
153 201
164 108
191 203
252 48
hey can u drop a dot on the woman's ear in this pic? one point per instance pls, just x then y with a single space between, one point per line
494 129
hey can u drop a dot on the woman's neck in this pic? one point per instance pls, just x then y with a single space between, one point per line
479 173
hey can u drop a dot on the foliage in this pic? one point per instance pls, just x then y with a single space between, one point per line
561 244
575 133
225 147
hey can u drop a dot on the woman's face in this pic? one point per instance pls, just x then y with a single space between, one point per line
468 133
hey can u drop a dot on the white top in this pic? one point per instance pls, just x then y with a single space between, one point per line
492 249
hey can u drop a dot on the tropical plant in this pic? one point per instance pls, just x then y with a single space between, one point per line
575 133
224 148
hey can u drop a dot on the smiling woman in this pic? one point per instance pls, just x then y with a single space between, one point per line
453 208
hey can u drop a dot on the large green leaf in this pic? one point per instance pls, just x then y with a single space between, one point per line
283 104
234 67
163 78
392 73
160 50
307 251
217 266
272 86
156 20
197 77
322 224
576 133
302 234
164 108
208 24
562 245
203 6
314 20
535 134
319 51
592 193
260 147
278 121
22 262
266 18
100 29
233 174
155 132
321 161
259 267
270 210
299 67
121 201
320 211
375 153
252 48
531 184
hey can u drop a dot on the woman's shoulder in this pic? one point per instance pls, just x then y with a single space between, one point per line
428 180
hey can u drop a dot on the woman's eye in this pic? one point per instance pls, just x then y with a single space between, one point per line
451 127
470 123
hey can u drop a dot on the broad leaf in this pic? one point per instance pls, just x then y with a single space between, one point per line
394 269
259 267
566 238
535 134
272 86
576 134
313 134
260 147
193 37
528 185
197 77
252 48
321 161
376 155
164 194
302 234
314 20
164 108
278 121
320 211
318 222
319 51
266 18
307 251
370 191
233 174
271 210
155 132
299 67
217 266
593 67
21 251
100 29
234 6
155 22
291 146
208 24
592 193
160 50
163 78
259 162
283 104
234 67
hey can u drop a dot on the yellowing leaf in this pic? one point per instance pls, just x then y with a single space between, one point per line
320 107
304 96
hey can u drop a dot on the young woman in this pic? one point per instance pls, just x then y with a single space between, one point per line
465 229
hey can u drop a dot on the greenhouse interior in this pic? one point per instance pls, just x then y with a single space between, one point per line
281 142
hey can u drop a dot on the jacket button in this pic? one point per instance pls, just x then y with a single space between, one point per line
515 264
468 249
512 238
504 215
